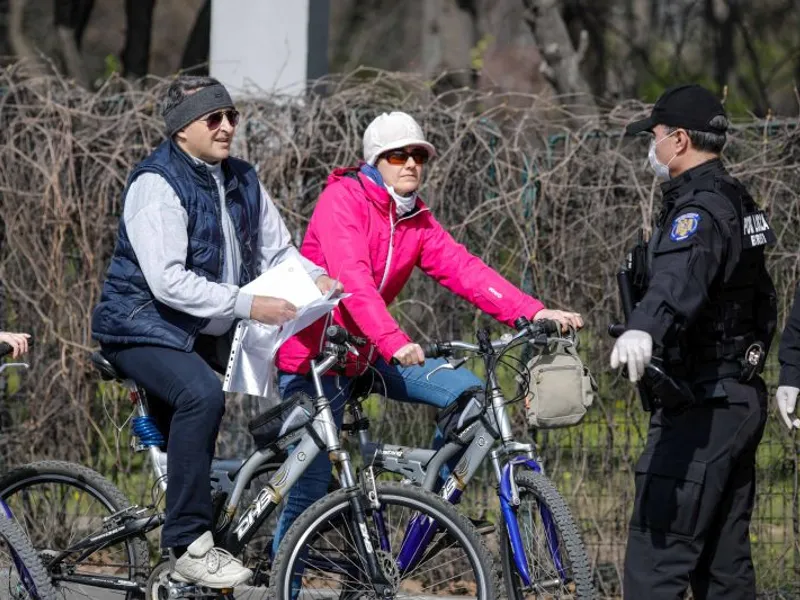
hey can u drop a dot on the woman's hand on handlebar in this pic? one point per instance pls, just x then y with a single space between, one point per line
409 355
17 341
566 319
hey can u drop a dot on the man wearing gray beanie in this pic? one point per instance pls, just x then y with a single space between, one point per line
197 225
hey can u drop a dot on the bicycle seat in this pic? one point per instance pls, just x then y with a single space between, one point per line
107 371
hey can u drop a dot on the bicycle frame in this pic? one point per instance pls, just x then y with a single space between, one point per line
230 533
422 466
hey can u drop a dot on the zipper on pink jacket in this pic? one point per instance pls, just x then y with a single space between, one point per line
392 224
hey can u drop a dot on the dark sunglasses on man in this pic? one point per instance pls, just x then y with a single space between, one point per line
214 120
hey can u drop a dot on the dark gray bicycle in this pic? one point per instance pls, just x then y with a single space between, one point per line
363 541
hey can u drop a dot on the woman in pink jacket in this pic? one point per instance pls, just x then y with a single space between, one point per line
369 230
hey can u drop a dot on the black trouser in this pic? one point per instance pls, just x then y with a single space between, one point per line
695 485
187 401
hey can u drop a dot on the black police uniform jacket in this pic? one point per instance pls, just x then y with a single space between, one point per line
708 295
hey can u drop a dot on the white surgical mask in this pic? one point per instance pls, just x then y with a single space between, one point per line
661 170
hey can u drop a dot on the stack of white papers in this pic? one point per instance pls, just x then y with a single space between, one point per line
251 362
288 280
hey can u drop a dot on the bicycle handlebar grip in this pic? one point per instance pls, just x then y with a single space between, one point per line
431 350
336 334
521 323
5 349
546 326
549 327
616 329
339 335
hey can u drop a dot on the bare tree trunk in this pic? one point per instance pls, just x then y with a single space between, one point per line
721 17
592 16
448 35
73 61
20 44
561 60
509 60
195 53
136 55
70 19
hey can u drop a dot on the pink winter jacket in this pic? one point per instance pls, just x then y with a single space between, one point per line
357 237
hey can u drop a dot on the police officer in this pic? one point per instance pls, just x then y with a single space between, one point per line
697 339
789 357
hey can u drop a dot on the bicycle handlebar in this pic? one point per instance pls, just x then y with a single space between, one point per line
6 349
340 336
527 329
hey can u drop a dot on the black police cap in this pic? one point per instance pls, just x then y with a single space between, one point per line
686 106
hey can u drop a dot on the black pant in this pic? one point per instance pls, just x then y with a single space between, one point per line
695 486
186 395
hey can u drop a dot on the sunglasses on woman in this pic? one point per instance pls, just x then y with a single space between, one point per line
214 120
400 157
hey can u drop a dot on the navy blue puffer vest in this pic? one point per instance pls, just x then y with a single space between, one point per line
128 313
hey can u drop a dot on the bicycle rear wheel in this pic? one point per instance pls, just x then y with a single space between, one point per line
57 504
319 556
22 574
557 560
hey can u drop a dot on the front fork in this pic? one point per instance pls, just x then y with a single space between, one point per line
418 534
358 512
509 505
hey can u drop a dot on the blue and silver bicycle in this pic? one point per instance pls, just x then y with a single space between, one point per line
542 553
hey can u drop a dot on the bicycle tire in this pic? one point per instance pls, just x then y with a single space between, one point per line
35 582
543 490
86 481
414 498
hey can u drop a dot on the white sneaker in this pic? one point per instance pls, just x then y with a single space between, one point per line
205 565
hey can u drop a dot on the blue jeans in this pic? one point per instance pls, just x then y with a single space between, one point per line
406 384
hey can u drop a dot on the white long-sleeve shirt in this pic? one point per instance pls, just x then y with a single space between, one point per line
157 224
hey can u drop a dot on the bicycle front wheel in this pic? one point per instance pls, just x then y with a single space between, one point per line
558 565
424 549
57 504
22 574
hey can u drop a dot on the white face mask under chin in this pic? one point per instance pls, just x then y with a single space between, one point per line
405 204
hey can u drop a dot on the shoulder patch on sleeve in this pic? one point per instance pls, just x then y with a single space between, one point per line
684 226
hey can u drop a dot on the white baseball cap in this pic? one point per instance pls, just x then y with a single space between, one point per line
391 131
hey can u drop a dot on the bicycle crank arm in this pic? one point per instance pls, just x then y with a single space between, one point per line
177 590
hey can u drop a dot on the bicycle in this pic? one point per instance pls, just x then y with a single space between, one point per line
372 520
22 573
550 559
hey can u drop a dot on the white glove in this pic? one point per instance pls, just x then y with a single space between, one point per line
635 349
787 400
